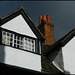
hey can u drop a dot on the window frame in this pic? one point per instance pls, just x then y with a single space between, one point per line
22 38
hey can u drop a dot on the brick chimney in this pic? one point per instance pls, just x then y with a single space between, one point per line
47 29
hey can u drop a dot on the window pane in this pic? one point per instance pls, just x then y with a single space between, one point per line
4 33
7 34
17 46
14 45
11 39
11 35
22 45
17 42
32 46
11 44
3 39
14 41
15 37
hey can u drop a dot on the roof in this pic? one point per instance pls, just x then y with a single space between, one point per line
25 15
9 69
48 66
62 42
52 51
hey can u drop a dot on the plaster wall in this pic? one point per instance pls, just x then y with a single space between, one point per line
20 58
19 25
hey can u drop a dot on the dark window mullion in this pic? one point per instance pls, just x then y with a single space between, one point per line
37 46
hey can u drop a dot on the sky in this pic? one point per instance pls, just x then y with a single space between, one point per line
62 13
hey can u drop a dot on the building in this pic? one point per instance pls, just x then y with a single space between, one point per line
25 48
20 41
62 53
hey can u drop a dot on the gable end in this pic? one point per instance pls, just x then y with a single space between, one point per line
29 21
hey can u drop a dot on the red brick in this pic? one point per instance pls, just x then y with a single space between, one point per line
47 29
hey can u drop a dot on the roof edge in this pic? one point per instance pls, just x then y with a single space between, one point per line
67 37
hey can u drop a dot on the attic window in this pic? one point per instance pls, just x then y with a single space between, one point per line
18 41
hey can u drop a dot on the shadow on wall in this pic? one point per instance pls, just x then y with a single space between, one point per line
2 54
59 60
56 57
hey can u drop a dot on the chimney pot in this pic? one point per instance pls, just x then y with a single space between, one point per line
49 18
40 19
44 18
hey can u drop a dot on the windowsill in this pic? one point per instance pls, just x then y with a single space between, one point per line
22 49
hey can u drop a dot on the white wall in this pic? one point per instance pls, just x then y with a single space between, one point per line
20 58
19 25
69 56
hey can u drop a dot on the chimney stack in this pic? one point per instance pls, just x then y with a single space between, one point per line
47 29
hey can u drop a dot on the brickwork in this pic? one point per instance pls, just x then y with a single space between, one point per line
47 29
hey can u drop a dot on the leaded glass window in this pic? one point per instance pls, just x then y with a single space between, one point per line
18 41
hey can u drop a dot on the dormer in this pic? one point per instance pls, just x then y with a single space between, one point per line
17 30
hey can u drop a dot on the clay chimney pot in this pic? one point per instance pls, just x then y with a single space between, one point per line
44 18
40 19
49 18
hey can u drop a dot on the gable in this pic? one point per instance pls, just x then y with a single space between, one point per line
21 11
19 25
68 56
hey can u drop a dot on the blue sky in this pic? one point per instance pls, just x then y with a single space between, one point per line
62 13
